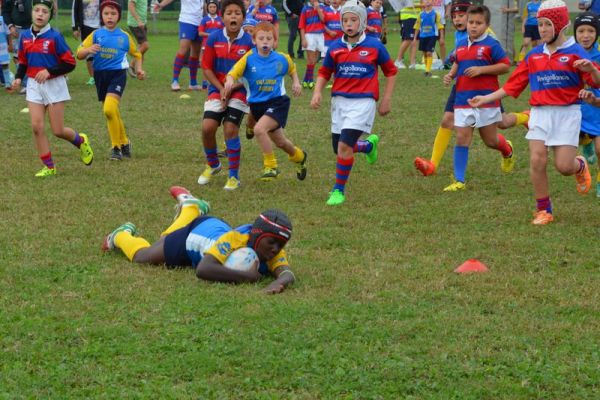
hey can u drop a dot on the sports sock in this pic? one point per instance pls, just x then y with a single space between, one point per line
428 62
544 204
47 160
522 118
342 172
77 140
177 65
6 76
187 215
581 165
461 158
269 160
113 117
122 135
298 155
193 65
503 146
309 74
233 149
363 146
211 157
440 144
130 244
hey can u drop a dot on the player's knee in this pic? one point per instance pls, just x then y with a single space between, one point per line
110 110
565 167
448 121
37 128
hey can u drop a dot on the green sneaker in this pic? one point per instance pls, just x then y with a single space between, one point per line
269 174
336 197
185 198
85 150
91 81
372 155
301 168
44 172
109 241
589 152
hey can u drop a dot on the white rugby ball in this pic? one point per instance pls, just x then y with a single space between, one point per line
242 259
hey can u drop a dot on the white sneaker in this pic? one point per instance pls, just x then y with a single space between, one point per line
412 66
194 87
208 173
399 64
175 86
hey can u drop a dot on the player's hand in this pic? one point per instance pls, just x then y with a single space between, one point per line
584 65
16 84
477 101
304 43
297 89
77 34
227 88
42 76
384 107
472 72
447 79
141 74
13 31
315 102
586 96
93 49
274 288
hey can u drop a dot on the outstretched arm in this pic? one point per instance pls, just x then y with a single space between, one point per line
210 269
284 277
478 101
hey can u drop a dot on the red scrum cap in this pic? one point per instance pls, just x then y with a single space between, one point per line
557 13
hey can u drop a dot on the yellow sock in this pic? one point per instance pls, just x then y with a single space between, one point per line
113 118
442 138
298 155
598 176
122 135
522 118
187 215
585 140
428 62
269 160
130 244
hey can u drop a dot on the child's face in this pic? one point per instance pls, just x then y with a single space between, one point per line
334 3
476 25
546 30
264 41
212 8
110 16
247 4
586 36
426 3
350 24
40 16
376 4
233 18
268 248
459 19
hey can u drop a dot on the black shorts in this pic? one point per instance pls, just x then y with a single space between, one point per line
111 81
174 246
531 31
427 44
140 34
230 114
277 108
407 28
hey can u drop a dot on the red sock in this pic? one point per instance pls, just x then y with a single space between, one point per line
47 160
503 146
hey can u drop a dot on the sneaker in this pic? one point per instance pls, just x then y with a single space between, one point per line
542 217
185 198
23 91
44 172
194 87
508 163
301 168
311 85
583 178
222 153
329 86
269 174
372 155
85 150
336 197
249 133
126 150
305 85
232 183
115 154
424 166
412 66
208 173
455 187
91 81
109 241
175 86
399 64
589 152
428 74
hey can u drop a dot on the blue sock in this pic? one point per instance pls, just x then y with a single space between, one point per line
233 155
461 158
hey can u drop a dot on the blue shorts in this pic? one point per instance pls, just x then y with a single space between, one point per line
276 108
174 246
427 44
452 98
189 32
531 31
110 81
407 28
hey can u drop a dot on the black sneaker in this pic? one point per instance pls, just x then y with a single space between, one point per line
249 132
126 150
115 154
301 168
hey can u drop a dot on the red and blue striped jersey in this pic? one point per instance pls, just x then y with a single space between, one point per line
484 51
333 22
220 56
374 20
266 13
46 50
210 24
355 69
310 21
553 79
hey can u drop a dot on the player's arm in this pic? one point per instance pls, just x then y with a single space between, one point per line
417 28
317 6
293 73
449 77
162 4
284 277
587 66
236 72
494 69
87 47
133 52
479 101
211 269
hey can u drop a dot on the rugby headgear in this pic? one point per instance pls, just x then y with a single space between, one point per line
273 223
112 3
358 8
47 3
557 13
460 6
587 18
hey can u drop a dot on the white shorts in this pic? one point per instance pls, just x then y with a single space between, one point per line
315 42
347 113
216 106
476 117
555 125
52 91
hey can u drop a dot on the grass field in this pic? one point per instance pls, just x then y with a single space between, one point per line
376 312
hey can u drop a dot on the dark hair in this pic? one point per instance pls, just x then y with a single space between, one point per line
239 3
481 10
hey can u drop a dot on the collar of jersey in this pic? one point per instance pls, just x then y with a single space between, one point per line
352 45
239 36
569 42
479 39
42 31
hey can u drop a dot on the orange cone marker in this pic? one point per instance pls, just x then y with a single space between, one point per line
472 265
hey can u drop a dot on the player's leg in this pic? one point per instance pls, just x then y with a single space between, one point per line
37 113
112 114
264 125
587 147
56 115
194 62
494 140
343 165
311 60
250 124
524 48
538 161
514 119
210 123
231 131
464 136
597 146
567 162
184 46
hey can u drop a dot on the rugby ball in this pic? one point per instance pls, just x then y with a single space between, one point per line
243 259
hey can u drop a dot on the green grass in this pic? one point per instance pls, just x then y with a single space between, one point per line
376 312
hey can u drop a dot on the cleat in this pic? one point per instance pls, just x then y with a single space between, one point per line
372 155
508 163
185 198
222 153
305 85
126 150
336 197
583 178
269 174
109 241
399 64
311 85
412 66
528 113
428 74
91 81
589 152
249 133
455 187
115 154
424 166
232 183
85 150
208 173
193 88
329 86
44 172
301 168
542 217
175 86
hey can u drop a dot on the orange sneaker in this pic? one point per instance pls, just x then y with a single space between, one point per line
583 178
542 217
426 167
